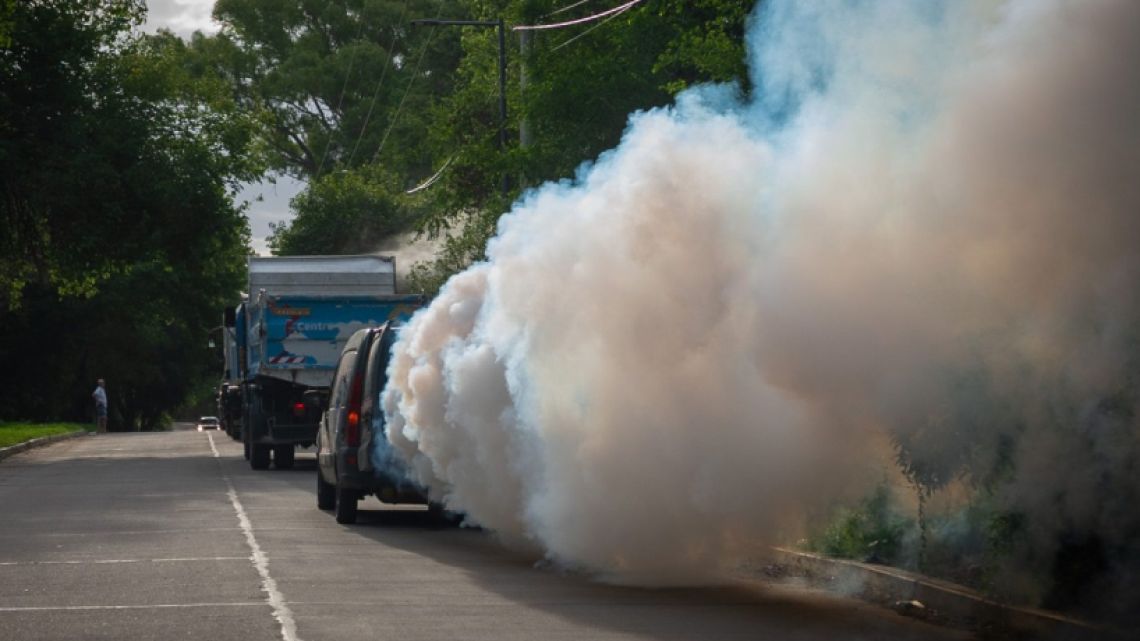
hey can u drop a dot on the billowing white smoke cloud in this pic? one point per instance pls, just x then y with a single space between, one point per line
684 348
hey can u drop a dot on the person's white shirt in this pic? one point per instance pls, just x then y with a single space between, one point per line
100 395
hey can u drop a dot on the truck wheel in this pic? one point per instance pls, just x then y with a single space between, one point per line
245 446
326 493
258 456
345 506
283 456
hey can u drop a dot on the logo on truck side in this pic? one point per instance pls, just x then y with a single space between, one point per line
285 310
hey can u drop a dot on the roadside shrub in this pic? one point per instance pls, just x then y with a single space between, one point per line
871 532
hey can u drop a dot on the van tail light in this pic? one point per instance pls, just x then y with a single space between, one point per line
298 409
352 417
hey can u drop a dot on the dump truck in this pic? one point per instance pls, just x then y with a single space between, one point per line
287 336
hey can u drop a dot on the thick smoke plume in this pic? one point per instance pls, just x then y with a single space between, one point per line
924 223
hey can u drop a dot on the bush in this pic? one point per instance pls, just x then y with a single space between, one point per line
871 532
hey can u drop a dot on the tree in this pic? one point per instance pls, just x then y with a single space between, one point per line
583 82
119 161
345 212
340 85
328 78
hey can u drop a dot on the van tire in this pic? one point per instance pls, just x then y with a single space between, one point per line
345 505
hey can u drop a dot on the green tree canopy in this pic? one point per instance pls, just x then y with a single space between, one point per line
339 86
122 242
581 85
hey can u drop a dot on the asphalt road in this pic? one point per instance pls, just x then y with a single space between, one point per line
172 536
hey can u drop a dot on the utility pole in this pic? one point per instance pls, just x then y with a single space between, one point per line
525 134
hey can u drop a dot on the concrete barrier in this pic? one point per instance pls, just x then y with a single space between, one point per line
939 601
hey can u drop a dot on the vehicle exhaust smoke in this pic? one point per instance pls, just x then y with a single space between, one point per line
922 224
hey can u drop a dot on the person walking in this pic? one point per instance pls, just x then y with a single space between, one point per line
100 396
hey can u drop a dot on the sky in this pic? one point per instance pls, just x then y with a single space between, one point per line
268 202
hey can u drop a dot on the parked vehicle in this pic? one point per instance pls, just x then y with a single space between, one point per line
288 336
353 422
208 423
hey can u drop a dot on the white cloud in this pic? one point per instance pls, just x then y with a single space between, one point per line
273 207
183 17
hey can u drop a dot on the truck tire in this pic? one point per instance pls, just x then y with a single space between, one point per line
245 446
283 456
345 505
259 456
326 493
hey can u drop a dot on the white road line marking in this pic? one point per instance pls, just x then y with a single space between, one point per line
52 608
273 596
114 561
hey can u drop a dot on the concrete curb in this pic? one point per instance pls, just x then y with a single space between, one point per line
11 450
944 602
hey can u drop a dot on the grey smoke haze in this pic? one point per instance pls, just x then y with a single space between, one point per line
697 341
409 249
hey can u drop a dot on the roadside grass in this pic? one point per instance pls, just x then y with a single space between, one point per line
13 433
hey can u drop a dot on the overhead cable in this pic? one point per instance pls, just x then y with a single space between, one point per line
587 31
566 8
340 101
431 181
379 84
411 81
570 23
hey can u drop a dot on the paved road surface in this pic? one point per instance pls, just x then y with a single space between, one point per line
172 536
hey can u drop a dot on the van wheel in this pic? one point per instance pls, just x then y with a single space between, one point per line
245 446
283 456
326 493
441 516
258 456
346 506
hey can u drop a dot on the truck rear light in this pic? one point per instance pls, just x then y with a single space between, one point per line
298 409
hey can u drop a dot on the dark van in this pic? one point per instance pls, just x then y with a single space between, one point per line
346 472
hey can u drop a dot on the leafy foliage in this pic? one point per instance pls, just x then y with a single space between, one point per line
118 160
349 211
581 85
872 531
326 78
341 85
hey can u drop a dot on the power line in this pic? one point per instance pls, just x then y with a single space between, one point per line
411 81
379 84
587 31
340 101
431 181
565 9
570 23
